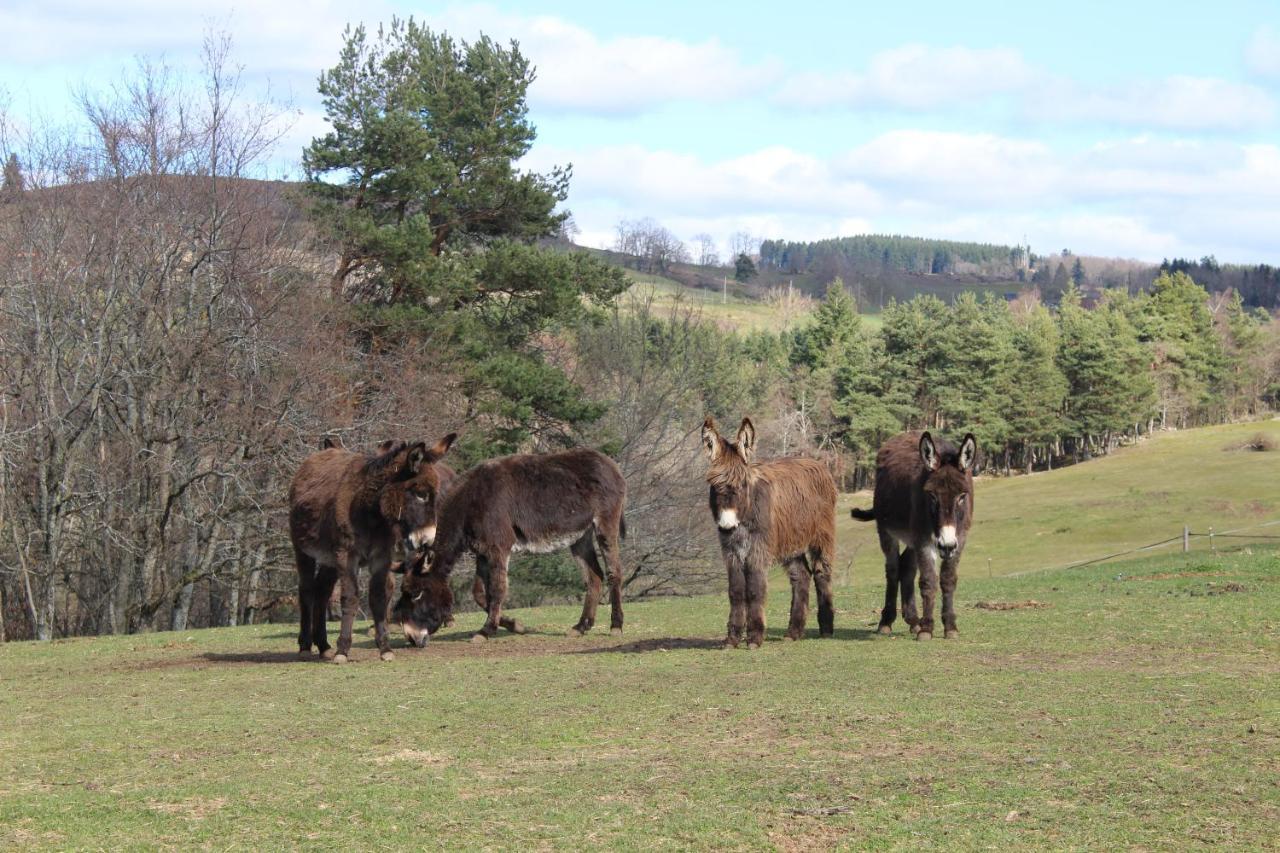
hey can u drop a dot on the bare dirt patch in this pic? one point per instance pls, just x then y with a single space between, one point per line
1167 576
411 756
1029 604
190 809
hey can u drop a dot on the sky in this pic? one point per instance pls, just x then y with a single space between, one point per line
1137 129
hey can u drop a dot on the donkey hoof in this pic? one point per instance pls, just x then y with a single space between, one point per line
751 647
448 623
388 655
326 654
339 658
615 632
728 644
517 627
304 654
924 635
950 634
479 638
885 629
574 632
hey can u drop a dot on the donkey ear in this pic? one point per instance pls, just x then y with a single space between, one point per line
928 452
746 440
710 439
416 457
968 452
441 447
387 445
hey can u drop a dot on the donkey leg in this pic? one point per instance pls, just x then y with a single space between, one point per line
798 572
608 536
889 612
927 562
820 561
737 601
756 573
380 588
320 593
347 568
584 554
306 580
480 593
497 589
907 567
948 583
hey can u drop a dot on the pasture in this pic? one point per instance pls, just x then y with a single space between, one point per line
1133 704
1128 704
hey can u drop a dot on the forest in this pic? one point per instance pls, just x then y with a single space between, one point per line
177 334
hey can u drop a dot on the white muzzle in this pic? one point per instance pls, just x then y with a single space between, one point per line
728 519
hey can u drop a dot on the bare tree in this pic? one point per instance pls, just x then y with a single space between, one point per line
706 250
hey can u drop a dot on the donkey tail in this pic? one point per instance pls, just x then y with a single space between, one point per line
863 514
622 527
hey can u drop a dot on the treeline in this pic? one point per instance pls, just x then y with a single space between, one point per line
174 340
1258 285
1038 388
875 252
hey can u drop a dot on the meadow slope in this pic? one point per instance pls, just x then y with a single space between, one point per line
1134 704
1130 704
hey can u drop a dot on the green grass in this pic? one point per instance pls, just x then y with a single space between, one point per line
1130 704
1136 496
734 312
1138 707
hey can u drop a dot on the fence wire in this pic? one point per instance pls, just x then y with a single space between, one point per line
1226 534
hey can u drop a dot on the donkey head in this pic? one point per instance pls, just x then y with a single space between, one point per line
410 504
730 472
948 489
425 602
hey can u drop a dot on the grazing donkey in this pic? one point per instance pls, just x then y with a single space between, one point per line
781 510
533 503
923 502
347 509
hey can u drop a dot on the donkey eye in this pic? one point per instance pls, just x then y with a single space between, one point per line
961 499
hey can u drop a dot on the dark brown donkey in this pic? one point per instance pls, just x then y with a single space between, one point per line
923 502
781 510
348 509
533 503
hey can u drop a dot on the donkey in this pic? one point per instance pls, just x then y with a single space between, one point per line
924 502
781 510
532 503
347 509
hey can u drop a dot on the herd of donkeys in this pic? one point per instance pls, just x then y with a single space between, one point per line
350 509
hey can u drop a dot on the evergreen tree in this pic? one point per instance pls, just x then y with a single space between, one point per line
1037 388
13 182
1077 272
744 269
1187 357
437 229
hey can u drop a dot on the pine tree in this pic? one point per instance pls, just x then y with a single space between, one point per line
13 183
436 227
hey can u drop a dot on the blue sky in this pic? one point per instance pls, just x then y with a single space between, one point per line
1136 129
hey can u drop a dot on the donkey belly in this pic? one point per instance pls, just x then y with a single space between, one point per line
547 543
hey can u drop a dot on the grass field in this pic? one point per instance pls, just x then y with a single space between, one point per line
1130 704
1134 497
1136 705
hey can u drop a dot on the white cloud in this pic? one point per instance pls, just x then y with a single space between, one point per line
913 77
579 71
1138 197
928 79
1262 54
1179 102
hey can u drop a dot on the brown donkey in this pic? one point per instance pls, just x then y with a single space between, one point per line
348 509
781 510
924 502
533 503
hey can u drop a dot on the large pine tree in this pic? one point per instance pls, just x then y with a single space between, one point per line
436 228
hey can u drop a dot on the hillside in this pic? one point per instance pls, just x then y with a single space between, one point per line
1117 706
1027 732
1134 497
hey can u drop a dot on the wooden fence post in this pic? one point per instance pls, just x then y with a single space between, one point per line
1186 539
